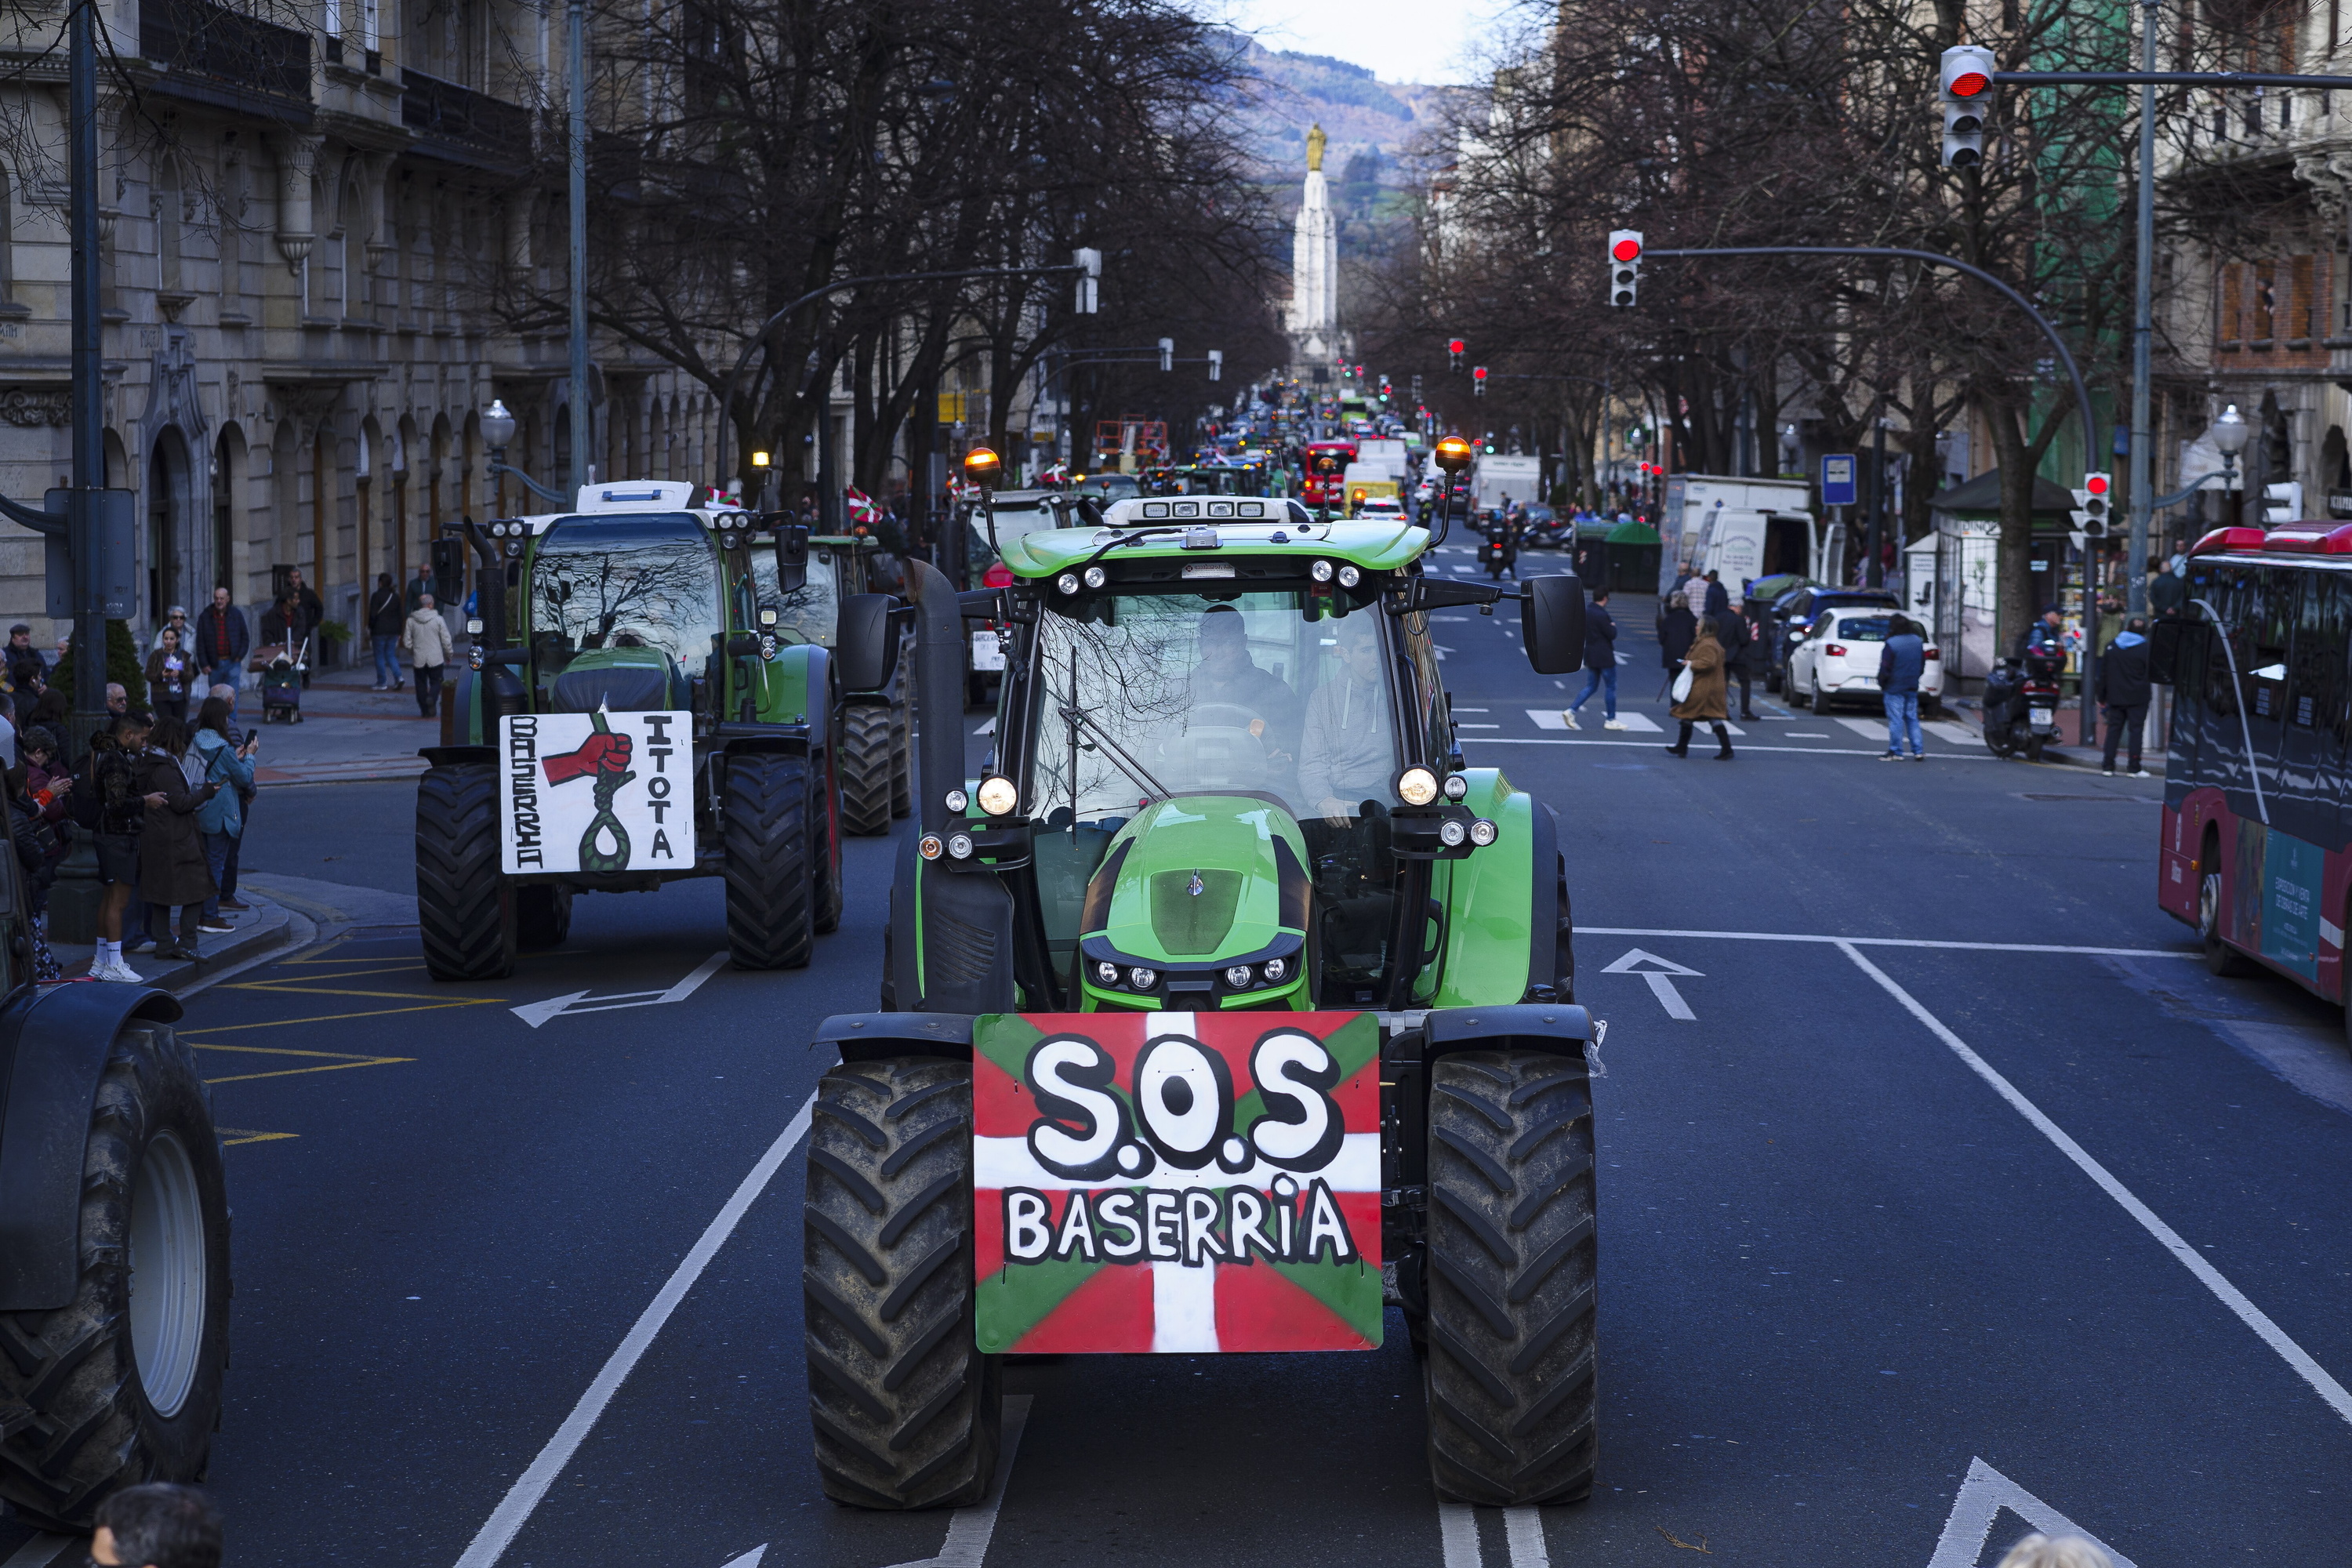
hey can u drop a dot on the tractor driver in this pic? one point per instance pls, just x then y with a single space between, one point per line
1347 754
1227 675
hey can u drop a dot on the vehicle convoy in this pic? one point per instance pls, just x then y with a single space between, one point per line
1226 1005
2256 838
662 709
114 1240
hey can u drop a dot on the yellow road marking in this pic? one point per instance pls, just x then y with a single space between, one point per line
336 1061
339 1017
232 1136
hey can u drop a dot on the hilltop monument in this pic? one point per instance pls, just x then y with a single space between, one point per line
1314 321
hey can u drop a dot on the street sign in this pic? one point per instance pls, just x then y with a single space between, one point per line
1838 479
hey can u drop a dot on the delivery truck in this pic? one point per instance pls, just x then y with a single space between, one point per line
1741 530
1518 478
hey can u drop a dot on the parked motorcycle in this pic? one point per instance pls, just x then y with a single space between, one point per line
2021 705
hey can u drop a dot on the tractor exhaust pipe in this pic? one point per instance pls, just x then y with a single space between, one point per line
938 691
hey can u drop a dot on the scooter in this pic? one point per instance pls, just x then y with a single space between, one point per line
2021 704
1499 553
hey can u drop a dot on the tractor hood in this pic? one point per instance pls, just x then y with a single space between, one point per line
1197 881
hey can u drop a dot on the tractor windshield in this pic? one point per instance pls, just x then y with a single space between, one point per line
644 580
813 613
1149 694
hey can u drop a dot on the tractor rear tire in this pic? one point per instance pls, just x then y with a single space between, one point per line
122 1384
902 760
769 885
465 908
1513 1400
824 860
542 918
905 1406
866 769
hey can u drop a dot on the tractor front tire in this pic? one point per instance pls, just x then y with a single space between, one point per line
122 1384
770 887
465 908
1513 1399
824 860
905 1406
865 765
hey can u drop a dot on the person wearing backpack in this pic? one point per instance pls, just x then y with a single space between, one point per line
105 803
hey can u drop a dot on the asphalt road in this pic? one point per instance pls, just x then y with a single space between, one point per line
1893 1223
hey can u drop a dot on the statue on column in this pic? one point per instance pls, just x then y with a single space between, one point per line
1315 140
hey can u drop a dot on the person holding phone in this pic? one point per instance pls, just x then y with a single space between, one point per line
228 767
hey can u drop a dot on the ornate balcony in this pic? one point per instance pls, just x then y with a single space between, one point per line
459 125
210 54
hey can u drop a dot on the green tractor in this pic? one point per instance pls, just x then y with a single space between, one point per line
650 697
875 762
1225 1009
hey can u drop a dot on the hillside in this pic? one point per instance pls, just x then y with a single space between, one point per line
1361 115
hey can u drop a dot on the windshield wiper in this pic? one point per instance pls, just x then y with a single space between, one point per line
1117 752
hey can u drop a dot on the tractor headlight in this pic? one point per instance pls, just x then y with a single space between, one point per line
1276 970
767 646
1320 571
1107 973
1451 833
1097 576
1068 583
1142 979
958 800
998 797
1350 576
1239 976
1483 832
930 847
1456 786
725 541
958 845
1416 786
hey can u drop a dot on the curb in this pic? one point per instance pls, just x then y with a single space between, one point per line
274 929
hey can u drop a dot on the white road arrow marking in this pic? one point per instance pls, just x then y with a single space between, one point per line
969 1529
570 1002
1982 1497
750 1559
1661 986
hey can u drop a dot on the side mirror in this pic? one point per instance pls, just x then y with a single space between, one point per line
865 643
1551 623
792 557
2169 642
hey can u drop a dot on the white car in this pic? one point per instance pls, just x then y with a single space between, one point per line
1384 507
1840 658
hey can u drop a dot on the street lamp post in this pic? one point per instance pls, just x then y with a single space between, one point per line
2229 435
498 432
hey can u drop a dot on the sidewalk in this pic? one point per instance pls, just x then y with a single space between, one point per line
1968 713
348 734
267 929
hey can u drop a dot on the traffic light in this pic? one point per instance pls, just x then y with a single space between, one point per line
1168 354
1216 364
1625 264
1478 381
2091 503
1966 84
1089 264
1454 354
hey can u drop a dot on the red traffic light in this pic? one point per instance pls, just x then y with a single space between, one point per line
1477 372
1626 249
2096 483
1453 346
1967 84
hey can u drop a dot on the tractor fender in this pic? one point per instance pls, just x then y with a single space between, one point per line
459 757
879 1037
1557 1029
1502 901
54 1041
795 687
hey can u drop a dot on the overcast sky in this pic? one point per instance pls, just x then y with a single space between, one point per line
1400 40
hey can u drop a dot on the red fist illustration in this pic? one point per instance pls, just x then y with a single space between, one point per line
601 752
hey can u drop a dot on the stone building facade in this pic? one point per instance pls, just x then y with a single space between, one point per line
310 212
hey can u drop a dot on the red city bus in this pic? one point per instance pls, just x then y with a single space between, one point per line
2255 830
1319 488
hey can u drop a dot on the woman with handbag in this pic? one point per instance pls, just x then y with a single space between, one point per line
1700 691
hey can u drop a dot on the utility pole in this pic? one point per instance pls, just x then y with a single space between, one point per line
576 46
2143 438
1874 572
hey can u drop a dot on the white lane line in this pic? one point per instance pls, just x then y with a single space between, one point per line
2230 1296
1457 1531
1801 751
970 1529
514 1509
43 1550
1981 1498
537 1012
750 1559
1896 942
1522 1530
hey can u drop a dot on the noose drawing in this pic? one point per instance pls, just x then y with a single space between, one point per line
605 758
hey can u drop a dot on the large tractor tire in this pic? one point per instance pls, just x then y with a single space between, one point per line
825 860
905 1406
902 760
542 918
866 769
769 889
465 908
123 1384
1510 1374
